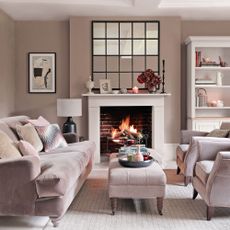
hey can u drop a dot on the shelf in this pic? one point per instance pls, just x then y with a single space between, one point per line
213 108
213 68
212 86
212 118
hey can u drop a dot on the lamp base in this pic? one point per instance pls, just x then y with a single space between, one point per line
69 126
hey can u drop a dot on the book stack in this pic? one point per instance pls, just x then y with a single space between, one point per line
198 58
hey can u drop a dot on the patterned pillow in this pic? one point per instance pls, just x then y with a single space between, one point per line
28 133
218 133
51 137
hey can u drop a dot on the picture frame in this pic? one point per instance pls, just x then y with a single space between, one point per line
105 86
42 72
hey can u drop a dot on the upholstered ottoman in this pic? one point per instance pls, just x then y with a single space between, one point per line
136 183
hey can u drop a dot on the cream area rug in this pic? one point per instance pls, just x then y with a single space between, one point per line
91 211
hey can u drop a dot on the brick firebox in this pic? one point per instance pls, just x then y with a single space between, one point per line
111 117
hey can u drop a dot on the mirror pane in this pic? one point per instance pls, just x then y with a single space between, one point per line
138 30
112 47
126 63
96 78
114 78
125 30
125 47
138 47
126 80
151 30
152 47
136 83
152 63
99 30
112 30
112 63
99 63
99 47
139 63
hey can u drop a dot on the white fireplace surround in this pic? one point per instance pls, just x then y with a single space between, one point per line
156 101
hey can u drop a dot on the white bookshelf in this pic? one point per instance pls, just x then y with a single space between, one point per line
208 118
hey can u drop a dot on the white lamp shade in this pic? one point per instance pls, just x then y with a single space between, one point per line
71 107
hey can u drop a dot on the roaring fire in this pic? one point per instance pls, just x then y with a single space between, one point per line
125 127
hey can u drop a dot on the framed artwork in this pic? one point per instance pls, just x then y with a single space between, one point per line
42 72
105 86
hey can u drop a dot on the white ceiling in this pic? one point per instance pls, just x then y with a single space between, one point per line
63 9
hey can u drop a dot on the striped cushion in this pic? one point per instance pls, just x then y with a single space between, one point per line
51 137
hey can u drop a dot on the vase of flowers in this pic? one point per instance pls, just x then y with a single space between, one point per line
151 80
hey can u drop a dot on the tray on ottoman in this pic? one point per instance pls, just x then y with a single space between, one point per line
135 164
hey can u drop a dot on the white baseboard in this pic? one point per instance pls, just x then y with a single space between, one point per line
170 151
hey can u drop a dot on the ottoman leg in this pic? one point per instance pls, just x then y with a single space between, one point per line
113 205
160 205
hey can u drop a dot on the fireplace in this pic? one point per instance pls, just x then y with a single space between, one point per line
155 101
124 125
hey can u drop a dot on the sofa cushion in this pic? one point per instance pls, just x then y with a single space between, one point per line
218 133
41 121
181 151
60 170
28 133
7 147
203 169
27 149
51 137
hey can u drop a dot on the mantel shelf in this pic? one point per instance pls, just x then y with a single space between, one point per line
128 95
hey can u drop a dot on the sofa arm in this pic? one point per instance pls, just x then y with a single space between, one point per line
16 172
218 184
192 155
186 135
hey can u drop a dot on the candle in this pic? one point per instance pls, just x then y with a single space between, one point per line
135 89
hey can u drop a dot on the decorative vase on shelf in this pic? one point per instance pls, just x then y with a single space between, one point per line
90 85
152 89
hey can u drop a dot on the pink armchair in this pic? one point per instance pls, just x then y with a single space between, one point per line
212 175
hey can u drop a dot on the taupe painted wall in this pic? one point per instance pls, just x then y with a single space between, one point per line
7 64
170 40
32 36
197 28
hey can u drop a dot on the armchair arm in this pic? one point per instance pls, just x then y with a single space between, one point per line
208 150
186 135
192 155
218 184
15 173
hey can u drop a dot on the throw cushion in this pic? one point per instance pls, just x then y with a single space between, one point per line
218 133
27 149
28 133
51 137
7 148
41 121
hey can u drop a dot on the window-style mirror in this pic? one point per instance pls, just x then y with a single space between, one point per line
121 50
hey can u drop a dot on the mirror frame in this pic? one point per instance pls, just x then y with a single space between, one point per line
132 73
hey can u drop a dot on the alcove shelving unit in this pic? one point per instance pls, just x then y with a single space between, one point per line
208 69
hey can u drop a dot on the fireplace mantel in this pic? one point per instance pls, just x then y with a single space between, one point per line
156 101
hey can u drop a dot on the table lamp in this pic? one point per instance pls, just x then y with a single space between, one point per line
69 107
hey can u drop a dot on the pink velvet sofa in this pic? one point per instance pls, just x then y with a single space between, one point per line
45 186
